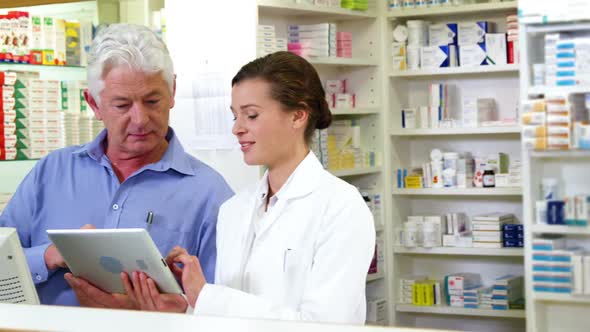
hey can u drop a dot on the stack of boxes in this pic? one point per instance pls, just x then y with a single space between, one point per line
512 31
427 293
534 127
406 291
547 123
472 43
338 147
344 144
435 115
42 40
477 298
554 266
487 230
8 81
344 44
315 40
376 312
39 117
513 236
442 51
566 60
507 290
338 96
267 41
456 284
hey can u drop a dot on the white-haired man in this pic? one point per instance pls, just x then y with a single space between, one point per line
135 166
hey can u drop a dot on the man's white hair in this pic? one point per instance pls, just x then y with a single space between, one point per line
134 46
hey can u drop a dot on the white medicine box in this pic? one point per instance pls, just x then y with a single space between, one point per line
496 49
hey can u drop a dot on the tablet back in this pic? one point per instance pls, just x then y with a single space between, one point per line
100 255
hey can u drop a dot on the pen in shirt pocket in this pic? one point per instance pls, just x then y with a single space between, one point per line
149 220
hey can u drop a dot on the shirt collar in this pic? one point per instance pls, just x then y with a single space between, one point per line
300 183
174 158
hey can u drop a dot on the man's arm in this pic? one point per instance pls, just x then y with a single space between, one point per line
20 213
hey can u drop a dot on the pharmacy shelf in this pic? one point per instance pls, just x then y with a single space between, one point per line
458 191
30 67
545 28
285 8
446 310
560 229
375 276
356 171
557 90
335 61
454 71
356 111
556 297
561 154
452 251
48 72
480 8
458 131
28 3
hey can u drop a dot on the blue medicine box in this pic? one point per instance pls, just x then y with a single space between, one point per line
556 212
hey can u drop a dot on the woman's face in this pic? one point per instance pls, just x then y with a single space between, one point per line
267 134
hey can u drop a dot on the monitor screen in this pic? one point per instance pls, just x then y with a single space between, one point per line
16 284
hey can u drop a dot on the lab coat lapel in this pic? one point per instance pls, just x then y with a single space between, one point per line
302 182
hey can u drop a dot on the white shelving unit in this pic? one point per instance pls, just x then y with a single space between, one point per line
460 10
365 75
560 230
357 171
356 111
452 251
455 71
458 131
446 310
356 62
458 192
409 148
290 8
551 311
14 171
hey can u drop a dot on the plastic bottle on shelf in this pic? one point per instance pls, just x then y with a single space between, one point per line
489 178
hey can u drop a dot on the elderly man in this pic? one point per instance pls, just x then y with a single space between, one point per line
135 166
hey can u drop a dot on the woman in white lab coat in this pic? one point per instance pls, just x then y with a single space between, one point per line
297 246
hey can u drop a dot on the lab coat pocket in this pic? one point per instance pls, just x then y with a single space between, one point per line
292 260
295 266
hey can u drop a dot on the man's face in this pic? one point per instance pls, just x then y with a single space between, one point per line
135 108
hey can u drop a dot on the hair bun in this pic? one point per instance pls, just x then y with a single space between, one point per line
324 118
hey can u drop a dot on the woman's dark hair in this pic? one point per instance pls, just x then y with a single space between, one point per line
294 83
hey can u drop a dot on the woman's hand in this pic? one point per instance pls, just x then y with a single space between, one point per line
190 275
144 293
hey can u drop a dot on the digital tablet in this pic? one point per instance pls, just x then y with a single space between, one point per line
100 255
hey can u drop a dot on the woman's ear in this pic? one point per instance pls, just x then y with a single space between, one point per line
300 118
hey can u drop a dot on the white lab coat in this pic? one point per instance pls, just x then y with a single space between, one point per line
308 261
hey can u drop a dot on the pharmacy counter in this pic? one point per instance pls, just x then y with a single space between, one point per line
51 318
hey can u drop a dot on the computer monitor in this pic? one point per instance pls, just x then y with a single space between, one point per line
16 284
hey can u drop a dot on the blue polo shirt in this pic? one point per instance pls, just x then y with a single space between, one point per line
77 185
